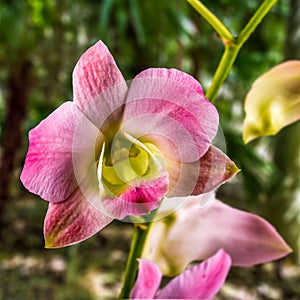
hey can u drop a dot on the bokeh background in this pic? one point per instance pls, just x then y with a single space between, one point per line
40 43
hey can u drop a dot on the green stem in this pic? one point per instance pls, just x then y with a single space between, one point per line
218 26
255 20
136 249
224 67
232 45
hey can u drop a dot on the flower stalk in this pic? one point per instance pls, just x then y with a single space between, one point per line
212 19
136 249
232 44
224 67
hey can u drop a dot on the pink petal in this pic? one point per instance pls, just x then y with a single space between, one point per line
138 199
213 169
202 281
167 107
48 169
72 221
148 280
98 86
198 233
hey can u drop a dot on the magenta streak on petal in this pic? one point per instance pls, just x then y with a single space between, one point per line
73 220
48 169
138 199
99 88
215 168
209 172
148 280
174 75
167 86
166 125
201 281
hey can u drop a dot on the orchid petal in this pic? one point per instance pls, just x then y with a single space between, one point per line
167 108
48 169
195 234
273 101
201 281
98 86
138 199
73 220
148 280
213 169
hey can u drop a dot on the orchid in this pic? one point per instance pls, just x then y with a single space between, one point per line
202 281
116 152
193 233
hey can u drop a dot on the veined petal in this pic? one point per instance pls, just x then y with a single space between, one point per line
215 168
73 220
48 169
138 199
209 172
98 86
195 234
273 101
148 280
201 281
167 107
179 88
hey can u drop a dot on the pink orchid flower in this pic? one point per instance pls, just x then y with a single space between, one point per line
116 151
193 233
201 281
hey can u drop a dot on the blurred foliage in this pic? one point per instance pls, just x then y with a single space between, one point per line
51 35
140 34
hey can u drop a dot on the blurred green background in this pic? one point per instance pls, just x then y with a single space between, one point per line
40 43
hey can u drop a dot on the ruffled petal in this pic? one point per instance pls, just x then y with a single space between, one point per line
201 281
48 170
167 108
138 199
98 86
195 234
73 220
209 172
148 280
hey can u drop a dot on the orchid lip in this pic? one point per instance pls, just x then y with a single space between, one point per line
131 179
126 160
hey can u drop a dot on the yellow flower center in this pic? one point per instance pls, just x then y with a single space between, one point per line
126 160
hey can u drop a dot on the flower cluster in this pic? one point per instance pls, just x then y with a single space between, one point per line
125 151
